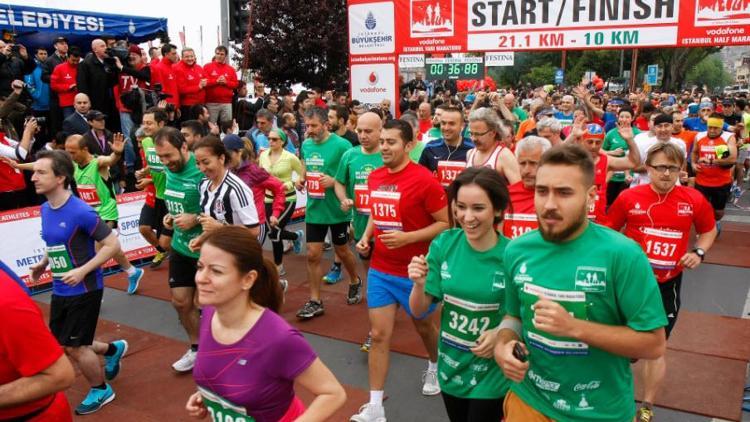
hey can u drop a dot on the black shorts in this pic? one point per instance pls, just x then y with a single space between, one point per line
670 297
182 270
716 195
316 233
72 319
154 217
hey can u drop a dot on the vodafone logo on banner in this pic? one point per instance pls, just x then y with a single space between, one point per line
371 28
373 83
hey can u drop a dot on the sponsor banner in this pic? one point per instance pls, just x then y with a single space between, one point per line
373 83
499 59
411 61
371 29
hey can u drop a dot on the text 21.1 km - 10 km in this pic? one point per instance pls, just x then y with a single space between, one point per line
574 39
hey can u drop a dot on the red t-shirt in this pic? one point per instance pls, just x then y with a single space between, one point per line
424 126
598 210
520 217
712 175
641 123
402 201
26 345
661 223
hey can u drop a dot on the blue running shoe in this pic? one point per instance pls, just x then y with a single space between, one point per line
95 400
112 363
297 243
134 280
333 276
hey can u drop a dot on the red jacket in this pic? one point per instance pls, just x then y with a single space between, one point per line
125 84
163 73
188 80
217 93
60 81
260 181
11 180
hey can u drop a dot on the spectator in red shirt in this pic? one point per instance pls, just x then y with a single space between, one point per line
641 122
191 82
34 371
134 74
63 81
153 56
222 80
163 73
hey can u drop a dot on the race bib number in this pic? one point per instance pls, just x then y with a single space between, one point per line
661 247
153 160
517 224
173 201
447 171
89 195
59 260
315 189
465 321
220 410
362 199
573 301
386 213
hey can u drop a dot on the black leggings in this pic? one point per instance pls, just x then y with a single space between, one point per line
473 410
279 234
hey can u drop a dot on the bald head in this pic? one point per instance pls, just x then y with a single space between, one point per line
424 112
99 48
82 103
369 126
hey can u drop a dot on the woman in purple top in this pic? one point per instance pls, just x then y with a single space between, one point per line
248 356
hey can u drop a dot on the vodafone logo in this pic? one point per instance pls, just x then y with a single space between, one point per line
372 79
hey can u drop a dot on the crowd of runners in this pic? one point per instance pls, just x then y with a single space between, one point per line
537 247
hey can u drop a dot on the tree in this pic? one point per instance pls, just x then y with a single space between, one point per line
676 63
710 72
299 42
540 75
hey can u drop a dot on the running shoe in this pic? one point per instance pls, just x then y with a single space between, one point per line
159 259
284 284
311 309
95 400
281 270
186 362
112 363
645 414
367 345
287 246
297 243
430 386
369 413
134 280
333 276
355 293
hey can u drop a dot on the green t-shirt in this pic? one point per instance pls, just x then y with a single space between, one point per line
471 285
612 141
353 171
603 277
416 152
323 158
521 115
95 191
155 167
182 197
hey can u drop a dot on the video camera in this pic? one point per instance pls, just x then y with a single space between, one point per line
119 52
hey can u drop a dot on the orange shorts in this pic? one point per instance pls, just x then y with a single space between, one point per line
516 410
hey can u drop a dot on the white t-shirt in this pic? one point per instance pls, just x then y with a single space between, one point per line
644 143
230 203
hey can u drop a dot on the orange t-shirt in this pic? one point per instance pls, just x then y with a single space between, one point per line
688 136
712 175
526 126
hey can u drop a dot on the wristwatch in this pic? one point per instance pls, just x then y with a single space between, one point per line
700 252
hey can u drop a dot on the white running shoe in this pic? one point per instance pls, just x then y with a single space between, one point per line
186 362
369 413
430 386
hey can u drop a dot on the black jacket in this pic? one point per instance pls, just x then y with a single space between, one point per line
96 79
95 147
11 68
75 124
49 65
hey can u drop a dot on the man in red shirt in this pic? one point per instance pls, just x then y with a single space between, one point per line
222 80
713 158
659 217
191 82
424 113
521 216
408 209
63 81
162 73
34 371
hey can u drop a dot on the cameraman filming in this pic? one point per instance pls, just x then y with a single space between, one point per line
97 77
15 63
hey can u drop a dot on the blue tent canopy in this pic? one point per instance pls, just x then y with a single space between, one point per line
38 27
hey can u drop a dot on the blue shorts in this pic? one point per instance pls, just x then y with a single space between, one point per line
386 289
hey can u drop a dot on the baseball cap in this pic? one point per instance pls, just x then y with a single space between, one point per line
135 49
693 108
233 142
547 111
727 102
706 104
593 131
95 115
617 101
662 118
59 39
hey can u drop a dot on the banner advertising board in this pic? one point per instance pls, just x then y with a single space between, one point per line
499 59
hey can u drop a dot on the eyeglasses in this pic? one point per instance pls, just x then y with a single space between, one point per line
477 134
664 169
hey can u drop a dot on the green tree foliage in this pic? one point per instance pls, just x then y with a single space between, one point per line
299 42
710 72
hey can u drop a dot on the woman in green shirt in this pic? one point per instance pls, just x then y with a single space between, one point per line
464 270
